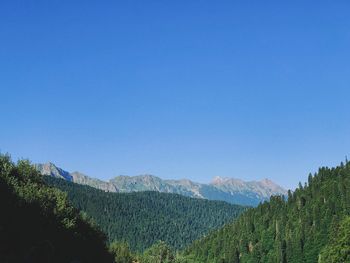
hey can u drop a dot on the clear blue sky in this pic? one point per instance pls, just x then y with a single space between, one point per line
178 89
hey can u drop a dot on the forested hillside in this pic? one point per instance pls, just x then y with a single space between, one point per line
312 225
143 218
38 225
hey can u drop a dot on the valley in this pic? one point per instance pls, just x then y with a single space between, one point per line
310 224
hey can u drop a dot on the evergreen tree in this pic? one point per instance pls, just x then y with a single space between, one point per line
338 249
143 218
295 230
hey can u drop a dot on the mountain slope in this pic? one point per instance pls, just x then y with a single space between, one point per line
225 189
296 230
37 224
52 170
142 218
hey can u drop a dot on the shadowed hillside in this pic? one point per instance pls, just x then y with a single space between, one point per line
38 225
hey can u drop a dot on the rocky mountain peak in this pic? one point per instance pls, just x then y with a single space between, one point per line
51 169
227 189
217 180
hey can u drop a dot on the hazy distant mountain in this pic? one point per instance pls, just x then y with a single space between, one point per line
226 189
261 190
52 170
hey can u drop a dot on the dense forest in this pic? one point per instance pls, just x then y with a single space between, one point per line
311 225
37 223
143 218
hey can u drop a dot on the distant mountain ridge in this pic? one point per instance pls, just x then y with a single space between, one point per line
51 169
231 190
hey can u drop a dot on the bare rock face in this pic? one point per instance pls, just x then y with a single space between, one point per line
231 190
260 189
50 169
80 178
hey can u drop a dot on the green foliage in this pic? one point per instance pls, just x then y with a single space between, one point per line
37 223
143 218
121 252
288 231
160 252
338 250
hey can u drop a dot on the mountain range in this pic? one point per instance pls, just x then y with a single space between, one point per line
231 190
